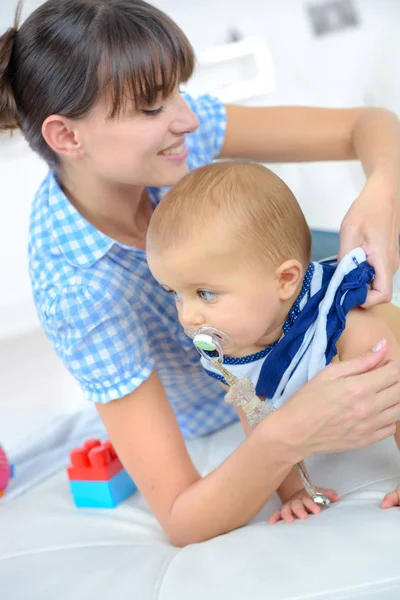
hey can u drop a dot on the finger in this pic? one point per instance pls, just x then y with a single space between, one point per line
331 494
298 509
381 286
390 500
384 378
311 506
381 434
360 364
378 296
342 251
383 422
389 416
275 517
347 242
286 513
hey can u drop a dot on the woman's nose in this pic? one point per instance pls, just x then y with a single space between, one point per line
185 120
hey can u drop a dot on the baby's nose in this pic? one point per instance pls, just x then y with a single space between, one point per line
191 317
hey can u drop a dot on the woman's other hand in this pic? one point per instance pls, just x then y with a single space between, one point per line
348 405
377 232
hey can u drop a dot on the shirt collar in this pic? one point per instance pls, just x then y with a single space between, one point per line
80 242
297 306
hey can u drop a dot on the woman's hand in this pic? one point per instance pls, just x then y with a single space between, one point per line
372 223
348 405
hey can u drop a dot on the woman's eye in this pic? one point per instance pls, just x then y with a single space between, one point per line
206 295
152 112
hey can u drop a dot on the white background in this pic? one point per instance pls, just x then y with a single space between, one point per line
357 66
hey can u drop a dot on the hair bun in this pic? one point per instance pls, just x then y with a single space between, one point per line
8 108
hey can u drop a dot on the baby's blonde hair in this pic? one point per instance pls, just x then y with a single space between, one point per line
266 218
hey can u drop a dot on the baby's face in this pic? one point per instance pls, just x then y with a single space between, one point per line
216 287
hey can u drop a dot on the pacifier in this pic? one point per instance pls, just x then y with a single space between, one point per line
209 339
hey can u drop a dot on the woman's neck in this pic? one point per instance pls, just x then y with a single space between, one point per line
120 211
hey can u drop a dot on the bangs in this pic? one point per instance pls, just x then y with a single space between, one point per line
142 60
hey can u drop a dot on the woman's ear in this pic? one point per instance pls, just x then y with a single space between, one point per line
60 134
288 275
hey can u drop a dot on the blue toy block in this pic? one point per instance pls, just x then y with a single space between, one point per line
103 494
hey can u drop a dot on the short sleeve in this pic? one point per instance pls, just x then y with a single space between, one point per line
102 340
208 139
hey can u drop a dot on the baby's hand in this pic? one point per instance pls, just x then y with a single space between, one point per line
299 506
392 499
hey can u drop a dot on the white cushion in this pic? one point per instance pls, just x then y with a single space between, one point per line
51 550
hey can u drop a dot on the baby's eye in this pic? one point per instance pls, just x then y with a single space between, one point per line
207 295
175 294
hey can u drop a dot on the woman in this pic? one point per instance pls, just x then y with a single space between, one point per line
94 86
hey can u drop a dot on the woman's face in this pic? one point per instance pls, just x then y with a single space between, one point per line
145 147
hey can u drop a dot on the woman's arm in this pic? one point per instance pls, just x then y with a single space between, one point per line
190 509
322 417
302 133
372 135
292 482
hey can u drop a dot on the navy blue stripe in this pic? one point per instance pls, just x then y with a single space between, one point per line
351 292
216 376
282 355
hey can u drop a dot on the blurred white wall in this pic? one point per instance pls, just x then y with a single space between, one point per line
20 174
355 66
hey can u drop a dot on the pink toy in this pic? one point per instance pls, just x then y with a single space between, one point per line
5 471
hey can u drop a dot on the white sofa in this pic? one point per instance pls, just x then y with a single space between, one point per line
51 550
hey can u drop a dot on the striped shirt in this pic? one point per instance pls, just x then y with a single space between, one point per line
310 332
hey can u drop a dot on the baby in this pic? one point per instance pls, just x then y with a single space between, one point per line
232 244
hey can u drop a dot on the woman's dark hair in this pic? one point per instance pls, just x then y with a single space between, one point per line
69 52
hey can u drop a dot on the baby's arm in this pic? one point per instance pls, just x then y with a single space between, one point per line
296 502
362 327
292 483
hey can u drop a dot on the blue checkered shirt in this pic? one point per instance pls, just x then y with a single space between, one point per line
107 318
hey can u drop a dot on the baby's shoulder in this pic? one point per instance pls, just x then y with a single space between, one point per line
365 327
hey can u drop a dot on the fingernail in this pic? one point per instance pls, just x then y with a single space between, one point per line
379 345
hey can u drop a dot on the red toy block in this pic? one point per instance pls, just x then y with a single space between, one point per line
94 461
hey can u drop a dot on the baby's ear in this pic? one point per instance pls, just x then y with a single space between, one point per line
289 274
